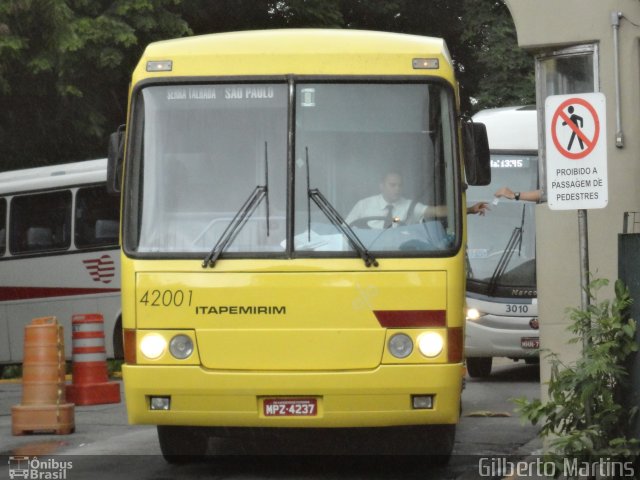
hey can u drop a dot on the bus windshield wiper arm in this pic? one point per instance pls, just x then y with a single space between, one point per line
235 225
336 219
524 211
505 258
339 222
241 217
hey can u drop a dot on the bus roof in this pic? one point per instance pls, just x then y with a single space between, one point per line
510 128
296 51
51 176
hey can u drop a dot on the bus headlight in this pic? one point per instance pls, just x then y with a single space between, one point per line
181 346
153 346
473 314
430 344
400 345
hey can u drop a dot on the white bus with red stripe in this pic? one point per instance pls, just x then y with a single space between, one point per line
59 252
502 315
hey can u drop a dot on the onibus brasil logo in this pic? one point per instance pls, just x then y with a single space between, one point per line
37 469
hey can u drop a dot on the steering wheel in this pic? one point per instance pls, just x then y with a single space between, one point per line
364 222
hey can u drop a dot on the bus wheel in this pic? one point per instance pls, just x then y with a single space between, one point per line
181 445
479 367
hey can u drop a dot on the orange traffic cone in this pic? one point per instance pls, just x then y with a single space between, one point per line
44 407
91 384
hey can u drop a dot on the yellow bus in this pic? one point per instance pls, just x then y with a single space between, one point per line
263 290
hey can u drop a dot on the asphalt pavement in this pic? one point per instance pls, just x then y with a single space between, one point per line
93 424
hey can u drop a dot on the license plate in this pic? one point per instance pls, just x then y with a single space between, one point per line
290 407
530 342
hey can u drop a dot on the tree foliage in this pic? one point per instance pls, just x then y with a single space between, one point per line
65 64
502 74
585 418
64 69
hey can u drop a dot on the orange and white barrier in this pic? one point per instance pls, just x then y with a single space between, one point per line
91 384
43 407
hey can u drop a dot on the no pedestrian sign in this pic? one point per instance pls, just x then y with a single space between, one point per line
575 131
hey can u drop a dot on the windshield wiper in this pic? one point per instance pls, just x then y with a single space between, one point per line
240 218
336 219
514 241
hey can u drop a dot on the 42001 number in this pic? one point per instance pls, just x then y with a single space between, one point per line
167 298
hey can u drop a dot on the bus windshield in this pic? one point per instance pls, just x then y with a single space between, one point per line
501 245
205 148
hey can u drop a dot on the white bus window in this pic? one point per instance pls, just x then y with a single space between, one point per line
40 223
3 225
96 218
501 246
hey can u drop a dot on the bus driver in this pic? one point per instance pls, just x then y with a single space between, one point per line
389 207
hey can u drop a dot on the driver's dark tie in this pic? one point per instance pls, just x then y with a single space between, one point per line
388 219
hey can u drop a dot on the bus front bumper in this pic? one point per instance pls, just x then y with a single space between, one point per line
486 340
376 398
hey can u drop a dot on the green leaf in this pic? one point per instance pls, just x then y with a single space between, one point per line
592 382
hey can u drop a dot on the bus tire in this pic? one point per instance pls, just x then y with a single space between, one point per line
180 445
479 367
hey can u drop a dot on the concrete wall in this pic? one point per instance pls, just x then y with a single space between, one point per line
542 26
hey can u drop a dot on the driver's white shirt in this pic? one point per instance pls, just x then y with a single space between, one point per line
376 206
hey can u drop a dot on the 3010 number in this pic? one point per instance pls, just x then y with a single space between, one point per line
515 308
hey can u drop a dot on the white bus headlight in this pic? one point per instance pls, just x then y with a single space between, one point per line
153 346
473 314
430 344
181 347
400 345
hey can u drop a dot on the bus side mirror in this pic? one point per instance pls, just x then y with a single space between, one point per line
477 163
115 161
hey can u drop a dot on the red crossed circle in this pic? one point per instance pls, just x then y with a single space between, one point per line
591 143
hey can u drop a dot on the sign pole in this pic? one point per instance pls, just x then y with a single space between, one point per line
584 262
583 241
